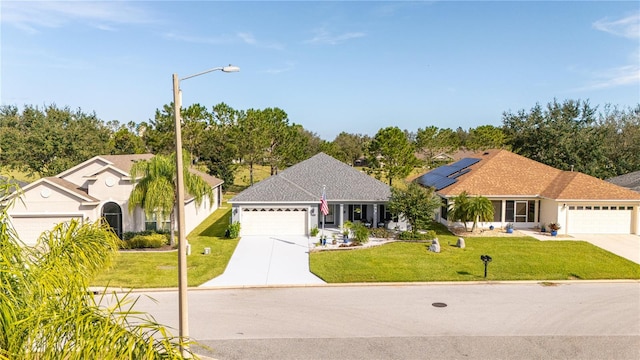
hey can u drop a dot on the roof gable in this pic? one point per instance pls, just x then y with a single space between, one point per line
630 180
305 181
65 186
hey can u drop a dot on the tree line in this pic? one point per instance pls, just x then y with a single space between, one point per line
569 135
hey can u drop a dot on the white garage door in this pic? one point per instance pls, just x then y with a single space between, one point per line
30 228
599 220
274 221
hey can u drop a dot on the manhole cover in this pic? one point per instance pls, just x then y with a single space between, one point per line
439 304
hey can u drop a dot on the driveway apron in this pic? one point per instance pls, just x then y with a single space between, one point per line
268 260
626 246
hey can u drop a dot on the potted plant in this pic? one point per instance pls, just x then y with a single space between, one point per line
554 227
509 228
345 234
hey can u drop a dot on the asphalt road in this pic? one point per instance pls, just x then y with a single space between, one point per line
576 320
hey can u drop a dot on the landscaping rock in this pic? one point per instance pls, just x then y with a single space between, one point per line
435 246
460 243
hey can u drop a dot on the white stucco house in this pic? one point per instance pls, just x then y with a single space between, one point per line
95 189
289 203
530 194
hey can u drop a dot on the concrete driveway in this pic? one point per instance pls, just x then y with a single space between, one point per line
268 260
626 246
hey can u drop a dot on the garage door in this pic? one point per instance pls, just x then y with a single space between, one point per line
30 228
274 221
599 220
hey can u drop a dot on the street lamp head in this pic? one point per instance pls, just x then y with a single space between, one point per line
230 68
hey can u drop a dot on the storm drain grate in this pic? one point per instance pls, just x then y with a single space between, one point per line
439 304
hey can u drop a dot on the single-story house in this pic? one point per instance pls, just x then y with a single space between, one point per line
289 203
97 188
530 194
630 181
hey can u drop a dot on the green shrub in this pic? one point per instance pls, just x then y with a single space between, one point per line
233 231
314 231
410 235
151 241
131 234
360 232
380 233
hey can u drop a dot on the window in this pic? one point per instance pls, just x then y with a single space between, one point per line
596 208
152 224
531 215
357 212
605 208
520 211
444 208
509 211
497 210
572 207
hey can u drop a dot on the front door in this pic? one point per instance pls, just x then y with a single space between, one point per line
330 217
112 213
521 211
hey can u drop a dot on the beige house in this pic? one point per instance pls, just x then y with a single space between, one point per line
97 188
530 194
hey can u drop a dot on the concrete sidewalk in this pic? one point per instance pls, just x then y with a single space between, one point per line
268 260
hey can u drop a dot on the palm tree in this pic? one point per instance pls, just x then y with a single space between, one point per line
155 190
47 310
459 209
480 209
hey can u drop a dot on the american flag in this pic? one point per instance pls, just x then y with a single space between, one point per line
324 207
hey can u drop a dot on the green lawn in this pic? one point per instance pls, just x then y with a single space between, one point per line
150 269
514 258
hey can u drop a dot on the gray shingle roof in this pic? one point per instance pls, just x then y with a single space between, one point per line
303 182
630 180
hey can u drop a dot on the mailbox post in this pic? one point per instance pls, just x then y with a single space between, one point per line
486 259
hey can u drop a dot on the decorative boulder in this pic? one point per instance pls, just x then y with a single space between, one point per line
460 243
435 246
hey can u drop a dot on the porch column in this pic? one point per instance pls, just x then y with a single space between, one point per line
504 211
341 217
374 222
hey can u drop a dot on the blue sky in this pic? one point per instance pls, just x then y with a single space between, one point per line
332 66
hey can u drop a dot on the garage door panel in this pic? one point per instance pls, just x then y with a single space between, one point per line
273 222
30 228
599 221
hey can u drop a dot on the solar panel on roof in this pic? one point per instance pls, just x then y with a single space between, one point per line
444 170
461 172
464 163
443 176
435 180
444 183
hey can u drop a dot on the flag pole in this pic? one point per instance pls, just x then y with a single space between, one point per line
323 215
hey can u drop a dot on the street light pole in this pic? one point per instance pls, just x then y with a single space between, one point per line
183 309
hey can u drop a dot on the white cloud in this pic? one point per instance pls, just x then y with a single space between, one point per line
322 36
248 38
628 27
614 77
214 40
31 16
288 67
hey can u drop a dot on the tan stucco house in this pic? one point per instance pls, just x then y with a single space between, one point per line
530 194
97 188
